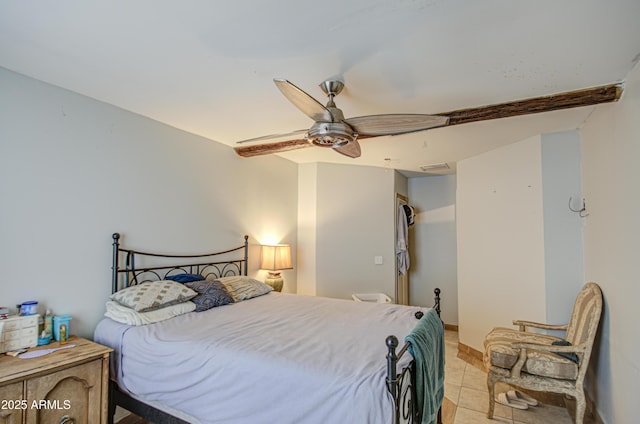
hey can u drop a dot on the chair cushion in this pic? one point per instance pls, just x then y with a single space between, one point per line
499 353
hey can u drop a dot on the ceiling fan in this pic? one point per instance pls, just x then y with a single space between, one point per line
331 129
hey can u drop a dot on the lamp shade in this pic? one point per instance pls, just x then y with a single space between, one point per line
276 257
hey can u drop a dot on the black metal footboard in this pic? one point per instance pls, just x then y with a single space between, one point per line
401 384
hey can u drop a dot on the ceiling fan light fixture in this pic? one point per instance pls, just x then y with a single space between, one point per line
331 134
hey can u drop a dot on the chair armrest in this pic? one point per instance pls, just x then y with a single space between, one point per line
551 348
522 358
523 324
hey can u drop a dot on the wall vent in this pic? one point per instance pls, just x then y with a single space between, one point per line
435 167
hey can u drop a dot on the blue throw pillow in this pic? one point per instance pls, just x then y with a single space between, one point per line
210 294
184 278
569 355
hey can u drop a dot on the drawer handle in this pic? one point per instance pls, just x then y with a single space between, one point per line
67 420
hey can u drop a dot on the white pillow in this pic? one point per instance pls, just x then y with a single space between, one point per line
153 295
125 315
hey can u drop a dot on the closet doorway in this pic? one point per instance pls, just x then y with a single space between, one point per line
402 279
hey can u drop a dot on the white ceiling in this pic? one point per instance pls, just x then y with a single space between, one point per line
207 66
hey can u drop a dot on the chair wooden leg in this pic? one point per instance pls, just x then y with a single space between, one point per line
491 386
581 406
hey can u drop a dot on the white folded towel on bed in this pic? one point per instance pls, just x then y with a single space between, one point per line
125 315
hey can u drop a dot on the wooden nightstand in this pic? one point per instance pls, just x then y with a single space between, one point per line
66 386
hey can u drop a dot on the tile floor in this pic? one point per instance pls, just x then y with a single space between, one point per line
466 388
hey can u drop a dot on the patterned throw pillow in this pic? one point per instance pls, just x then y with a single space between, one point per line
242 288
153 295
210 294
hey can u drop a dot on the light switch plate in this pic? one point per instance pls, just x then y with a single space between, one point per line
377 260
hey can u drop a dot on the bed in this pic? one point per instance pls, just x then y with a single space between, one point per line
273 357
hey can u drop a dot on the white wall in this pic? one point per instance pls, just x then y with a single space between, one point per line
500 240
432 241
520 247
401 184
611 186
307 228
563 243
355 223
74 170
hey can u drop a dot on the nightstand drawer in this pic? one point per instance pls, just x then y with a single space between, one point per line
13 410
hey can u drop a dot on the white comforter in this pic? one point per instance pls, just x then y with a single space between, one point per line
277 358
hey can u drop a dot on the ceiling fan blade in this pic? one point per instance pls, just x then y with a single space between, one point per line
307 104
351 149
277 147
272 136
393 124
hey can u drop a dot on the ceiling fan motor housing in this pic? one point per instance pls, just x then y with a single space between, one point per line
331 134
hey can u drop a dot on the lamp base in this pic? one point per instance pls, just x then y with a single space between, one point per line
274 280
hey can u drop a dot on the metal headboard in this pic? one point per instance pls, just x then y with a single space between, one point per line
209 265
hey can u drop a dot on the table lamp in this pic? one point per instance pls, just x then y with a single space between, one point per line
275 258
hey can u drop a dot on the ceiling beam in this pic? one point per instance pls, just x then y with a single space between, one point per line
571 99
277 147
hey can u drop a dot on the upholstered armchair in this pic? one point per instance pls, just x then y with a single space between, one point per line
542 362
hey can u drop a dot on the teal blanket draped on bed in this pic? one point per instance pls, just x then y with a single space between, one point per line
427 348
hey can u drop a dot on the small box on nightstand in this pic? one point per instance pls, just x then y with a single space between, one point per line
17 332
